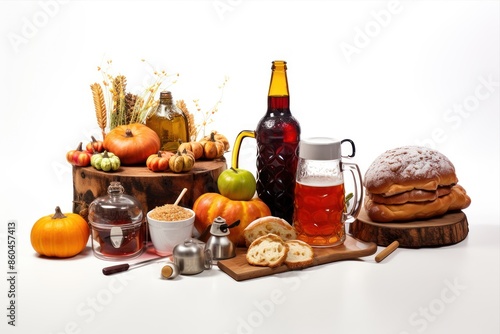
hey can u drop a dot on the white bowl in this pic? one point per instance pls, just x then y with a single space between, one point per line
165 235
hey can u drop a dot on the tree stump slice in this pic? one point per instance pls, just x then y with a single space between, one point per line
448 229
151 189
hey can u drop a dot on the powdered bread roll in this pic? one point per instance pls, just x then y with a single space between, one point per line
268 250
407 168
412 182
457 199
299 255
266 225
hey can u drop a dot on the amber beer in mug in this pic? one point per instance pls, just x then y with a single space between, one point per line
320 211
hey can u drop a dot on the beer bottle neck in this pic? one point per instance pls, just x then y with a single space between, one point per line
278 97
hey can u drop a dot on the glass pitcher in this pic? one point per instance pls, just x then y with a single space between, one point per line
320 208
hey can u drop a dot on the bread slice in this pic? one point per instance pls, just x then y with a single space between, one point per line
267 251
269 224
300 254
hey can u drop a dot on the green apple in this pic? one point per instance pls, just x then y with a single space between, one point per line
237 184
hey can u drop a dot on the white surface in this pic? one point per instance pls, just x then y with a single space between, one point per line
427 74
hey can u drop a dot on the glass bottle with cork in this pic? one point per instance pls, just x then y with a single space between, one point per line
278 137
169 123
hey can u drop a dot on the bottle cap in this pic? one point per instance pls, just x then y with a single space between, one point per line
320 148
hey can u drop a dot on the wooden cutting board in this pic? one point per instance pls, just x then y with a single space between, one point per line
448 229
239 269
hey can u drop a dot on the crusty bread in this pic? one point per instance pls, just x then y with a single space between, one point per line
268 251
412 182
415 195
406 168
269 224
457 199
299 255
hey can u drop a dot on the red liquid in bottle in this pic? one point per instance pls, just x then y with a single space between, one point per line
278 136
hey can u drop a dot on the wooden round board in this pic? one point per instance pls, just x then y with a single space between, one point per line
150 188
448 229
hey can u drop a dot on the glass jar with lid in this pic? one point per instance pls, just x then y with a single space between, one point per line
117 224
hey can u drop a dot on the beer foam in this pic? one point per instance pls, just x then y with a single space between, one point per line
320 181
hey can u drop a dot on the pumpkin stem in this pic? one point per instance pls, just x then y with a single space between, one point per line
128 133
160 154
58 214
93 139
79 147
105 154
212 136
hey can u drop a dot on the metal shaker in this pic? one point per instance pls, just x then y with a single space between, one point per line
219 244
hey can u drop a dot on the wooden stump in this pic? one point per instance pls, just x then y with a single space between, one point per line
448 229
150 188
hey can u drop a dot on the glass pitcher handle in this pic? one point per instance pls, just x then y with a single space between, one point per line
237 144
358 191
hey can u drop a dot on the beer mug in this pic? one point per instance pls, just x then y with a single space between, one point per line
320 208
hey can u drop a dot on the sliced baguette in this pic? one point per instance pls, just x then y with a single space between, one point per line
269 224
267 251
299 255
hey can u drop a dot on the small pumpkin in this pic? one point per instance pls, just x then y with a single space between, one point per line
78 157
132 143
193 146
220 137
209 206
106 161
212 148
95 146
181 162
60 235
159 162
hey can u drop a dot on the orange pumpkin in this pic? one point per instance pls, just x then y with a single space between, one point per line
212 148
193 146
159 162
132 143
220 137
209 206
60 235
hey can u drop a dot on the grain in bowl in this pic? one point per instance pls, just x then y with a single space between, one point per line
170 213
169 225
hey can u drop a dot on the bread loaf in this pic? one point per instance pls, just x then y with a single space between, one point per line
268 250
457 199
410 183
269 224
407 168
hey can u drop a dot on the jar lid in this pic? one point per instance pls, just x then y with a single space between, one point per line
320 148
116 208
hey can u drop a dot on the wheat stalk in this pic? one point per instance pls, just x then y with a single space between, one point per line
119 86
100 107
190 119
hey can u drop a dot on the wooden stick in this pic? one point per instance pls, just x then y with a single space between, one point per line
388 250
180 196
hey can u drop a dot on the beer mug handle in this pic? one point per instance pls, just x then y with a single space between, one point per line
350 216
237 144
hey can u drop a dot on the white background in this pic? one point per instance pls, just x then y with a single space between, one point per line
383 74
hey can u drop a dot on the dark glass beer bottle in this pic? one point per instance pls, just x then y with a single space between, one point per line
277 136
